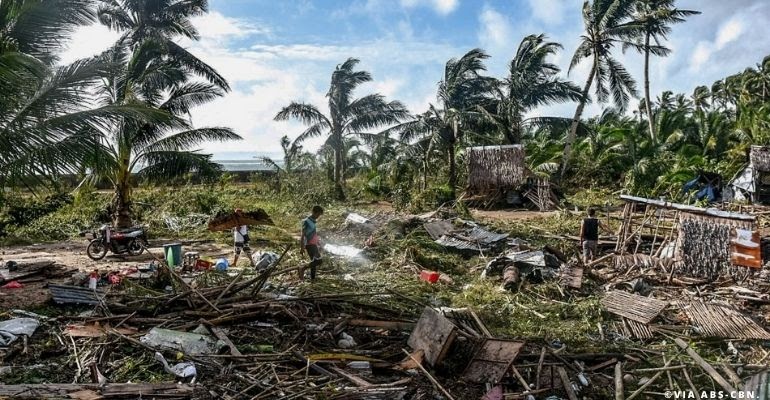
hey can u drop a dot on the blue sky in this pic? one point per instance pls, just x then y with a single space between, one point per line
276 51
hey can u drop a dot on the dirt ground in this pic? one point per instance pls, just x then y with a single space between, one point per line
510 215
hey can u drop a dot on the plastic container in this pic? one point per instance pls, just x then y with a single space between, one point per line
222 264
173 253
201 265
429 276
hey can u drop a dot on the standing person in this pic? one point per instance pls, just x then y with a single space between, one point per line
241 238
311 242
589 235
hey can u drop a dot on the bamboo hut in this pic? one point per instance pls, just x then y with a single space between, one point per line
686 240
500 172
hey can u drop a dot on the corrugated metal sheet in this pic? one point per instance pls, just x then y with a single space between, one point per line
758 386
692 209
473 238
74 295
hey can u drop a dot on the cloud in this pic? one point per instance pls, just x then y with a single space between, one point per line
728 33
442 7
88 41
551 12
214 25
495 29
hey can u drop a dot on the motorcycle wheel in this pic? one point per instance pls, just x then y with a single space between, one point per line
135 248
96 250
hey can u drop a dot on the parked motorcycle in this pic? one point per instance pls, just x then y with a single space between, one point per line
119 241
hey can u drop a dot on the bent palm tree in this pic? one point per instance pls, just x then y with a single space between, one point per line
152 70
531 82
46 122
461 92
656 18
348 117
606 24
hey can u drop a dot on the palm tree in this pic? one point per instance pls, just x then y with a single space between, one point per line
461 92
347 117
531 82
656 18
606 24
151 70
160 21
46 122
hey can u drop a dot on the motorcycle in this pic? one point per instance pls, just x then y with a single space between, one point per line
119 241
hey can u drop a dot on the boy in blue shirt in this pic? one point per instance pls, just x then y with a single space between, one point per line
311 242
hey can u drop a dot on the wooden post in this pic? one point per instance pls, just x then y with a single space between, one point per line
618 381
704 365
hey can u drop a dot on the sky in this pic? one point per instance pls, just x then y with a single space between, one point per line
273 52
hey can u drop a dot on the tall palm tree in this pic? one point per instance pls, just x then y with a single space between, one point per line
161 21
46 122
347 117
151 69
461 92
607 23
532 82
655 18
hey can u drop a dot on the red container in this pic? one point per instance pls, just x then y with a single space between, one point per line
201 265
429 276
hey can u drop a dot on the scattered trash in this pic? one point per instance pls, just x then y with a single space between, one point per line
13 285
346 341
429 276
185 371
186 342
10 330
264 259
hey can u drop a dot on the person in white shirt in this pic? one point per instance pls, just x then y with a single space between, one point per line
241 238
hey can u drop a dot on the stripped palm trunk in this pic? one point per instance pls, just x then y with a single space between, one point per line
648 107
572 134
122 200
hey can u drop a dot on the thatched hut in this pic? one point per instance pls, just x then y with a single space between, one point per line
496 168
500 172
687 240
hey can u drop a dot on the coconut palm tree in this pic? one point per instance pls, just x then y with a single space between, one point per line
163 150
607 23
347 117
532 82
46 122
152 70
160 21
461 92
655 18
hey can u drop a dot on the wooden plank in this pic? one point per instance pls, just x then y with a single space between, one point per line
220 334
433 334
704 365
137 390
566 383
391 325
492 361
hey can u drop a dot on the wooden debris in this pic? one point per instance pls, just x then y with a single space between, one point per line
433 334
493 359
566 383
619 381
110 390
429 376
634 307
723 321
572 276
704 365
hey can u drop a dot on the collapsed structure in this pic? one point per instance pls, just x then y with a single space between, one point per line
497 173
687 240
753 182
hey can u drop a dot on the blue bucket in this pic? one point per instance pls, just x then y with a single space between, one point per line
173 253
